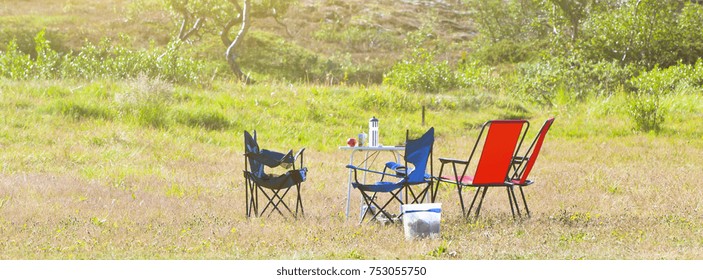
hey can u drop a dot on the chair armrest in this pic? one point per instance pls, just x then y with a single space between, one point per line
299 154
519 159
454 170
451 160
355 168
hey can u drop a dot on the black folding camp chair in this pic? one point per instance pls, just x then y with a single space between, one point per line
273 188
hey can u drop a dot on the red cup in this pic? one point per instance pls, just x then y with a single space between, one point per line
351 142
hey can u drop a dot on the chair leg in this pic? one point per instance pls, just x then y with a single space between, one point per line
514 207
478 209
274 200
246 194
510 200
421 196
427 192
433 192
256 201
370 201
527 210
382 209
279 201
299 201
409 193
517 206
461 201
271 203
471 207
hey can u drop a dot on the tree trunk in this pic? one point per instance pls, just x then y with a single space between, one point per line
231 53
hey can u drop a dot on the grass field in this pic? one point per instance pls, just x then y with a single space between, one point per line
143 169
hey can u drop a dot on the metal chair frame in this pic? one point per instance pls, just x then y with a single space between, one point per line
522 165
275 196
482 188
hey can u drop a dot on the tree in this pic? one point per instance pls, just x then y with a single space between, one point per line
219 17
573 12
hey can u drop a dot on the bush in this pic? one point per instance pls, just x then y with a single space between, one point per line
515 21
541 81
471 74
14 64
47 62
271 54
647 113
421 73
508 51
672 79
646 33
102 61
645 107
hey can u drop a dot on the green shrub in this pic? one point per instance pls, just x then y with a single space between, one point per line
386 99
421 72
647 33
47 62
273 55
14 64
541 81
471 74
508 51
102 61
647 112
669 80
645 107
509 21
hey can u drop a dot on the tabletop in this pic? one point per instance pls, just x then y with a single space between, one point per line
377 148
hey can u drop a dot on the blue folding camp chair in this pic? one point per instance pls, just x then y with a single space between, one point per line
418 155
274 188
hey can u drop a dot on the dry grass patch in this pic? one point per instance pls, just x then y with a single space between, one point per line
592 200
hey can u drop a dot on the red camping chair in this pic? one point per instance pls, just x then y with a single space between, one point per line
523 165
499 149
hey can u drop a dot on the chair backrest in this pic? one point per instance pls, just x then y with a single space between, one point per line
417 152
499 148
252 147
534 149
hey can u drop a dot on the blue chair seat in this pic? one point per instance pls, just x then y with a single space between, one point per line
379 186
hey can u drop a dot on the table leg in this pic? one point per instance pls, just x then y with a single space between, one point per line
396 155
349 183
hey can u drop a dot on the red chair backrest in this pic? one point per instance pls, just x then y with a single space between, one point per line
537 147
498 151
